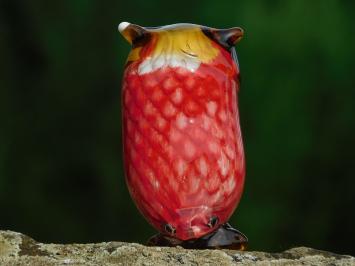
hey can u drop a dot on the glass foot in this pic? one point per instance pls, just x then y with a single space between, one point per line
224 237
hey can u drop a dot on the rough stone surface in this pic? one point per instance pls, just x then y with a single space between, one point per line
18 249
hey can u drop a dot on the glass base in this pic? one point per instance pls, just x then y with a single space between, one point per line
225 237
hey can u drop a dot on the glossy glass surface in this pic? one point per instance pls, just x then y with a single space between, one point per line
184 158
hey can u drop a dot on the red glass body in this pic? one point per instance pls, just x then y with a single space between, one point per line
183 150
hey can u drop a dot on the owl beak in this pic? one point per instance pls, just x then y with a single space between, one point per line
131 32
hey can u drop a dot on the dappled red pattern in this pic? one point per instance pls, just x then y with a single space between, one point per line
183 150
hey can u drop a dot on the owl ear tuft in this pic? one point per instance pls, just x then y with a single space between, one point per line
225 37
133 33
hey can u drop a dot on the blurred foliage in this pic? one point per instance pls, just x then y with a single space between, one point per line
61 173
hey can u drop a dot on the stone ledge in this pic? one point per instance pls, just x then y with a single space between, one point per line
18 249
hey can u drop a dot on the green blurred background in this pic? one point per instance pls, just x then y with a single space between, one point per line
61 171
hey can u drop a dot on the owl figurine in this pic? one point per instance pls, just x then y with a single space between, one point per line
183 151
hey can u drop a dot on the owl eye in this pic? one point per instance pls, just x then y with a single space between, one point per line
134 34
225 37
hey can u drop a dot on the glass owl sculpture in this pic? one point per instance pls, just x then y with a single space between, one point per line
183 150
